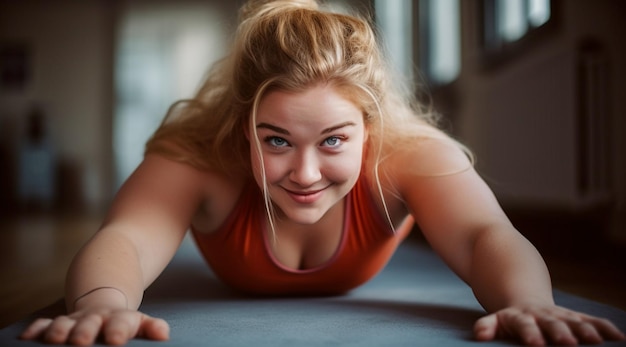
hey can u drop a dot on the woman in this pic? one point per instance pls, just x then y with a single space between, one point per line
296 160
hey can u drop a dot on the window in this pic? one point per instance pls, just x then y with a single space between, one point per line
163 51
440 40
395 21
436 49
506 23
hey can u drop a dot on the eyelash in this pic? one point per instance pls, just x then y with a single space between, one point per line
271 139
339 139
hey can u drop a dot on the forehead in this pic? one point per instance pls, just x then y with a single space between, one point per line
319 103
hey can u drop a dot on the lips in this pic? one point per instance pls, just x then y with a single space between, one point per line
305 197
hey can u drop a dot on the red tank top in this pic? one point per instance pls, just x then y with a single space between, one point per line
240 255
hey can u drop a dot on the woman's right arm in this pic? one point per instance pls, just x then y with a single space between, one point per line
140 235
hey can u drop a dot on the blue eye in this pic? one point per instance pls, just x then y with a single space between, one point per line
276 141
333 141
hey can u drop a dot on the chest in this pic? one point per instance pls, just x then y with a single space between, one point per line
290 245
247 256
302 247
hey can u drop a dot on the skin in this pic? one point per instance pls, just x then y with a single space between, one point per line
312 142
312 158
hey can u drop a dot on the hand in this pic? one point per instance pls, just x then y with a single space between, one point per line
115 327
537 326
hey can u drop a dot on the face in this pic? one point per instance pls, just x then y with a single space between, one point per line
312 147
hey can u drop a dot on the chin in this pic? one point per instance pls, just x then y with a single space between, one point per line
307 213
303 216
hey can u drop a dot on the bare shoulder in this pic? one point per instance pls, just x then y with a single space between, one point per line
176 189
213 194
410 168
430 157
210 187
170 174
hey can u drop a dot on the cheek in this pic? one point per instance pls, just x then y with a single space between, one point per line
255 164
256 168
275 168
345 167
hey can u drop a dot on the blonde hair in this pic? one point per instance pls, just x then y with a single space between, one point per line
292 45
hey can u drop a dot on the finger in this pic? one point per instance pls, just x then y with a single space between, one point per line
524 327
59 330
154 329
35 329
607 329
557 331
86 331
486 327
121 327
586 332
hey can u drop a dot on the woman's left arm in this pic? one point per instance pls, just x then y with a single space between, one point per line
463 222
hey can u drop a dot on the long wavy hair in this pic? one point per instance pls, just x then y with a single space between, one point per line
292 45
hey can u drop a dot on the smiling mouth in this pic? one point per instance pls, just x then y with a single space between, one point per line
306 197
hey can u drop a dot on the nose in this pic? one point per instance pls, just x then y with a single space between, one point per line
305 169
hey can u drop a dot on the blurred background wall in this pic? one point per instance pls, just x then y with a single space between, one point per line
56 62
84 83
546 116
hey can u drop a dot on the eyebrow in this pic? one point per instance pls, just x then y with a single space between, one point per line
286 132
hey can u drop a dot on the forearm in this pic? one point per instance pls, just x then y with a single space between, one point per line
507 270
109 263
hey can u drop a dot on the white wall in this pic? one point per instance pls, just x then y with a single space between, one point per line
74 48
70 79
519 117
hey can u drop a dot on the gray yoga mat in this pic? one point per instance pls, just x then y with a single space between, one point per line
415 301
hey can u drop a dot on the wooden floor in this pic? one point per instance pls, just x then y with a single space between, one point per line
36 250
